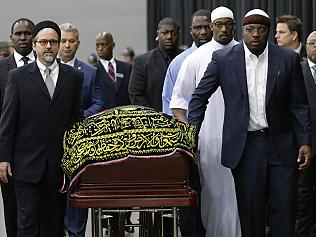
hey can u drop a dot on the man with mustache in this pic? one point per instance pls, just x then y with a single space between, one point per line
41 101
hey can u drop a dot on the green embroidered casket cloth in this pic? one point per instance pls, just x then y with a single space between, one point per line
121 133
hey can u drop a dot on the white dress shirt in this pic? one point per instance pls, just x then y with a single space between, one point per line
105 64
18 58
54 70
257 72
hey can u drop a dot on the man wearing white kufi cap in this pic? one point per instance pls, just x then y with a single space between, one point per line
266 125
218 199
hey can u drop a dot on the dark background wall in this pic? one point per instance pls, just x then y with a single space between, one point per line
182 10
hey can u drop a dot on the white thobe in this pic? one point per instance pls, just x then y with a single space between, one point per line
218 200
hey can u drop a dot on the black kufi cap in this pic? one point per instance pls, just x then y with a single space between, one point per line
45 24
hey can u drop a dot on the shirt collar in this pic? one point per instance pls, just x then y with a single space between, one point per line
298 50
18 56
310 63
70 63
42 67
248 53
220 46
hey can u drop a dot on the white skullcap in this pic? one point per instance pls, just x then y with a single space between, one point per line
221 12
257 16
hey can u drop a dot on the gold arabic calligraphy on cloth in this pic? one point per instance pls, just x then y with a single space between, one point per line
127 131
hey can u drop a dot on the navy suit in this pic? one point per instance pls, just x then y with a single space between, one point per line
91 96
114 95
262 163
91 103
31 138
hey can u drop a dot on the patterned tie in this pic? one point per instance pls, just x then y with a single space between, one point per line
25 60
111 72
49 82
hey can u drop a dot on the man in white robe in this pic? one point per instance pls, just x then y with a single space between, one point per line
218 200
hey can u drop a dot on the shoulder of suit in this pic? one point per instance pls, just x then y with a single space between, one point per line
147 54
85 66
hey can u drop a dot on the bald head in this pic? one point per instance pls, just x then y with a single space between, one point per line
105 45
311 47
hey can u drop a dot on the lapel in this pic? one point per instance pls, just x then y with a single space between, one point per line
159 61
238 61
308 75
273 65
119 70
105 75
62 78
11 62
37 78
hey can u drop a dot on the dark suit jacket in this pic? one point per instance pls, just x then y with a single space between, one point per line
147 79
287 109
114 95
91 96
311 95
6 65
32 124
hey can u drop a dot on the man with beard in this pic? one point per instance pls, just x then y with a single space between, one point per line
21 37
266 129
219 216
41 101
149 69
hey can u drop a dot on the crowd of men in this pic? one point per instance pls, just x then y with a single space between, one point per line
253 103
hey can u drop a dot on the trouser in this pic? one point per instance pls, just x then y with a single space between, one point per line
261 175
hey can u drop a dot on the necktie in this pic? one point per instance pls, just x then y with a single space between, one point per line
314 72
49 82
111 72
25 60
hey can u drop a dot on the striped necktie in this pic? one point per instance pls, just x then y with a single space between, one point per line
111 72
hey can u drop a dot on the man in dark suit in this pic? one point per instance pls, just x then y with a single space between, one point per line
76 218
149 69
289 30
113 74
305 225
266 125
21 37
42 99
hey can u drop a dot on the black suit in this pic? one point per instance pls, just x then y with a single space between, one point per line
114 94
147 78
32 126
306 212
7 190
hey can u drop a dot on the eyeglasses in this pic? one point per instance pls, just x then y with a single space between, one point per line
260 30
311 43
220 24
52 42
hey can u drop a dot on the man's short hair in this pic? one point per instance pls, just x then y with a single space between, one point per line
168 21
294 23
67 27
202 12
21 19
